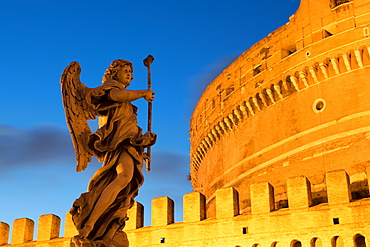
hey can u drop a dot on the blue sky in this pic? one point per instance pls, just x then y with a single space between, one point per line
192 42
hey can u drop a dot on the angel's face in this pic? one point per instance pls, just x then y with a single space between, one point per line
124 75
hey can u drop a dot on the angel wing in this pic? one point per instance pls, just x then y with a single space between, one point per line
77 111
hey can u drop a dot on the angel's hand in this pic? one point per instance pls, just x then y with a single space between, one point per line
149 95
146 158
150 135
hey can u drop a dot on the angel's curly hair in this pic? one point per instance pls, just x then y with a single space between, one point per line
114 67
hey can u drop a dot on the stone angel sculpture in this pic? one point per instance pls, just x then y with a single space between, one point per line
100 212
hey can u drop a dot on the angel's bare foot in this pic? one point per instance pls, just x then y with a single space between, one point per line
84 232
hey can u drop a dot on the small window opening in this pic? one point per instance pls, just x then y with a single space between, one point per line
257 70
288 50
336 221
329 31
229 90
359 241
336 3
319 105
337 241
326 34
296 243
162 240
245 230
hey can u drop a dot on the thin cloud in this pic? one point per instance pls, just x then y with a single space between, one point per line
46 145
38 145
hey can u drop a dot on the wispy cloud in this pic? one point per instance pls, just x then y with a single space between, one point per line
46 144
37 146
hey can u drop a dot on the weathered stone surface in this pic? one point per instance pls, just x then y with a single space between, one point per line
48 227
162 211
4 233
22 231
101 212
295 104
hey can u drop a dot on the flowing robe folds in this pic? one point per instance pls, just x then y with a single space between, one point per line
120 134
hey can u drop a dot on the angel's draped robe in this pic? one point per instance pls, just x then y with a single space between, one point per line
120 134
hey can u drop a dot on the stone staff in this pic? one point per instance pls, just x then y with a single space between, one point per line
147 62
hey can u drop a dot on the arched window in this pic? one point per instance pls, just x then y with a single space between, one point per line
337 241
256 245
276 244
359 240
296 243
316 242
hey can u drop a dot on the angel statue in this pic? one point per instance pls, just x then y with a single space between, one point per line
102 211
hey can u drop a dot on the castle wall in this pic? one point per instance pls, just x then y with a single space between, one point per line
342 220
295 103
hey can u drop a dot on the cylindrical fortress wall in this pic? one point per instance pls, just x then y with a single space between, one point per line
296 103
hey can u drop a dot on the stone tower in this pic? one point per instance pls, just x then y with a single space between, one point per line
296 103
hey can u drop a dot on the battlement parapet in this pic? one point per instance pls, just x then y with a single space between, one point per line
227 220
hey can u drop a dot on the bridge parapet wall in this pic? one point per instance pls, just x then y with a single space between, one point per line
228 225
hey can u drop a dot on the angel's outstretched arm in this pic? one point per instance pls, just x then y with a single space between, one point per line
122 95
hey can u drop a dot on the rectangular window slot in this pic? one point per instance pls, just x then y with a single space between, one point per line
288 50
162 240
336 221
245 230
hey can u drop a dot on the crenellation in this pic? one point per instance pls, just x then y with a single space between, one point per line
22 231
4 233
135 216
227 203
48 227
194 207
228 224
262 198
162 211
69 228
299 192
338 187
